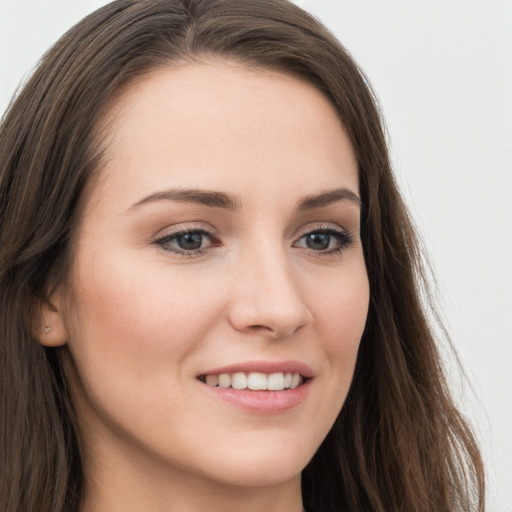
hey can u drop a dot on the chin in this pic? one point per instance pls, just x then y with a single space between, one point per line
263 475
261 468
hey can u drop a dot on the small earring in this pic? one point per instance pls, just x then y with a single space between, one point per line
47 329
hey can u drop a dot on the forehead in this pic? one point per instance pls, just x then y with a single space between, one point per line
224 124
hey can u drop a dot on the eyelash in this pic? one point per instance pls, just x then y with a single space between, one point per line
344 238
165 241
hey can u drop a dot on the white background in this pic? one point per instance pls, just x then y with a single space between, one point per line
442 71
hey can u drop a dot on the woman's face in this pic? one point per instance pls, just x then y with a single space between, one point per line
218 249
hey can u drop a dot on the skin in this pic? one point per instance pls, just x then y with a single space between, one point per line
142 321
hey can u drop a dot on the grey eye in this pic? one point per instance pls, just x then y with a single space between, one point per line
318 241
325 241
190 241
187 242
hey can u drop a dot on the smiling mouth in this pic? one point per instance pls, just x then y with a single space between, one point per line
255 381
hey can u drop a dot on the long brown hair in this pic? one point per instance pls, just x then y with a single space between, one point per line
399 443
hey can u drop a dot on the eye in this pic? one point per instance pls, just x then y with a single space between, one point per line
326 240
187 242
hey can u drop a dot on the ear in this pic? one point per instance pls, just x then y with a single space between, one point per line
51 329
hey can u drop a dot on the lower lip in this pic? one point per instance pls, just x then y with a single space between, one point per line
262 402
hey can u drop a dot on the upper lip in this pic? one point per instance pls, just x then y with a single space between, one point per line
267 367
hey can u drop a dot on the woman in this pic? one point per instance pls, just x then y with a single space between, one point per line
209 281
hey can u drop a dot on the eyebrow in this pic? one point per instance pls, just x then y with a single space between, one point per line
326 198
203 197
215 199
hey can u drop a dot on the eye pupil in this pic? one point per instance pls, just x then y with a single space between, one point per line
190 241
318 241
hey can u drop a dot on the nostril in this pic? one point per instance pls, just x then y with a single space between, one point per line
266 316
261 328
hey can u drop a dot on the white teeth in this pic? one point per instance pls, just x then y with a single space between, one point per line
239 380
255 381
212 380
224 380
275 382
296 380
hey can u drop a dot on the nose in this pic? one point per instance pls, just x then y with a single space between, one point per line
266 297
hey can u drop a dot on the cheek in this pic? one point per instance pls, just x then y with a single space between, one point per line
137 318
340 314
340 309
134 327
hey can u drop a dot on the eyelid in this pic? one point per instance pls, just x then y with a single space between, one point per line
164 240
184 227
322 226
345 238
